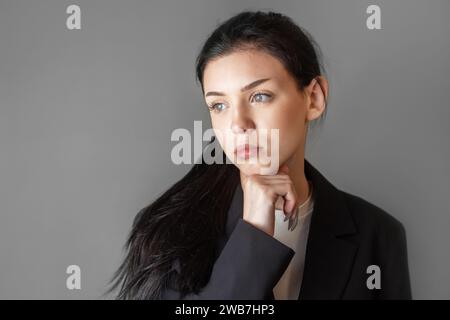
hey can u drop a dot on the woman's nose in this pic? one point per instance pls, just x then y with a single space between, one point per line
241 122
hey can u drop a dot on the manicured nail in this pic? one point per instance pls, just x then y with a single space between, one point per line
287 216
294 222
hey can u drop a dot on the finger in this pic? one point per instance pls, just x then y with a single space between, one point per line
287 191
290 199
279 204
283 169
282 178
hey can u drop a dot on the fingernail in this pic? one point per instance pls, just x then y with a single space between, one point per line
287 216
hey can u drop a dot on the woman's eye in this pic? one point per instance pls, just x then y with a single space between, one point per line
258 98
261 97
217 107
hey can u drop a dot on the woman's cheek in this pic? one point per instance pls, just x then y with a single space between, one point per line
287 142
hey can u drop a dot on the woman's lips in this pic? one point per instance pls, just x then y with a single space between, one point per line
246 151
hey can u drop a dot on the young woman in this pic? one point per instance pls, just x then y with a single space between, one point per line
226 231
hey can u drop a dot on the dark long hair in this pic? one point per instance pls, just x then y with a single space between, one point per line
185 222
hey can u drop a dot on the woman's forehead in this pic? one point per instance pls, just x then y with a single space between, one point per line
237 69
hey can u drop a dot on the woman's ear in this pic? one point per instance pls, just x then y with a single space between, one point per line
317 92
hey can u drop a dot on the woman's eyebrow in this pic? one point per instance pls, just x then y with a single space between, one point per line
243 89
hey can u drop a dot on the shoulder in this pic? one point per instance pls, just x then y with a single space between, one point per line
372 219
381 242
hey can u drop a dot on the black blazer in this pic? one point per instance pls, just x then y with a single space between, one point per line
347 234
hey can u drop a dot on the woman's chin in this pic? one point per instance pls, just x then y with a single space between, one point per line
251 169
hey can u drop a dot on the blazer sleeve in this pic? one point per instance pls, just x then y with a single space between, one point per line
395 270
248 267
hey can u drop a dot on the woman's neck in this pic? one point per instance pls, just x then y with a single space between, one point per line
297 175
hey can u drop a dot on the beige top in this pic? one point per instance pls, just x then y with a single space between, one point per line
288 287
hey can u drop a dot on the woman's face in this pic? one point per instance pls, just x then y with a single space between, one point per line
248 93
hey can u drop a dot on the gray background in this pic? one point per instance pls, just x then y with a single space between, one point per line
86 118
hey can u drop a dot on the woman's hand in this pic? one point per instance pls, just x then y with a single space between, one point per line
261 193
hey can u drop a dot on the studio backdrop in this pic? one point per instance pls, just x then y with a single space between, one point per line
91 92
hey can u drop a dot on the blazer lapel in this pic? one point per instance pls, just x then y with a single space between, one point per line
329 256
